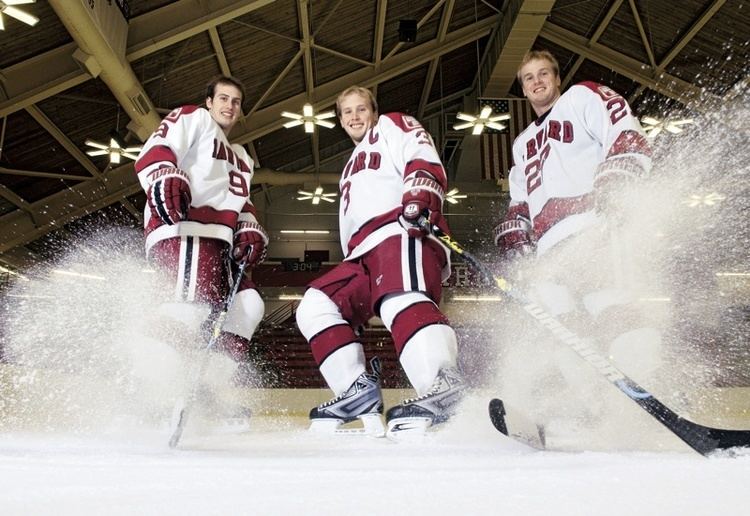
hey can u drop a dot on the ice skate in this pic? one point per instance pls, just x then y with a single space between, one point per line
412 417
363 401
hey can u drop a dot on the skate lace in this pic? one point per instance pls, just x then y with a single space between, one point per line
435 389
347 392
373 377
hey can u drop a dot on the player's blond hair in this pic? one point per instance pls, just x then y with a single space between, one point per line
538 54
358 90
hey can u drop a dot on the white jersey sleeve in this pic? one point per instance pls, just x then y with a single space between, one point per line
609 118
219 173
372 184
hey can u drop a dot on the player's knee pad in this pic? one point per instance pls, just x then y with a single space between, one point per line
316 312
321 323
406 314
393 304
180 323
245 314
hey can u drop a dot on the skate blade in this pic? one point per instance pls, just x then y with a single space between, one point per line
372 426
408 428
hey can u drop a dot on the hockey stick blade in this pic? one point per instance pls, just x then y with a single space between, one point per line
497 417
702 439
179 418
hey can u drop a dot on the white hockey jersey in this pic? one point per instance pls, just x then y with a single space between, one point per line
589 133
220 175
372 184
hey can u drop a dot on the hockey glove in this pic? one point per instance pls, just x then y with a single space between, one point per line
613 184
250 241
169 195
513 235
423 197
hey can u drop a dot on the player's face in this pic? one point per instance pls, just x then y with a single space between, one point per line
357 116
226 106
541 85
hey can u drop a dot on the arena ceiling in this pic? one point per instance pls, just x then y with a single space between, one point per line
65 80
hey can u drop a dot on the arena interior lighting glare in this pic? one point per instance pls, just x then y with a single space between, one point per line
653 126
309 119
453 196
115 150
8 7
480 121
697 201
315 196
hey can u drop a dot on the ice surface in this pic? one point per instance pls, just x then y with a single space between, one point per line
278 468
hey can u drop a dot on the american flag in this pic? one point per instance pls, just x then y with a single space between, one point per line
496 146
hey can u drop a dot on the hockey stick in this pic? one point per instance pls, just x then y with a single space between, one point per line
702 439
184 404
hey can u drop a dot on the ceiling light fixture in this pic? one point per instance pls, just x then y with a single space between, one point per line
78 274
654 126
480 299
453 196
115 150
696 200
309 118
5 270
303 231
482 120
290 297
315 196
7 7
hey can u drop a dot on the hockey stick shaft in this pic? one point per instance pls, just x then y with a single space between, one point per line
183 406
702 439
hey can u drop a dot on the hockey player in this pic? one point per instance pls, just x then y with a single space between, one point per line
199 216
572 168
393 178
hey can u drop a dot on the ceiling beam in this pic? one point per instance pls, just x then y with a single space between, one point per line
13 198
642 32
686 38
40 77
521 24
221 57
163 27
663 83
267 120
433 66
377 43
594 38
44 175
55 71
115 69
64 141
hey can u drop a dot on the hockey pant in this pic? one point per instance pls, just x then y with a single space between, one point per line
199 273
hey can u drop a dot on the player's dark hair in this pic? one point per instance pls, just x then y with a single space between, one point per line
224 79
